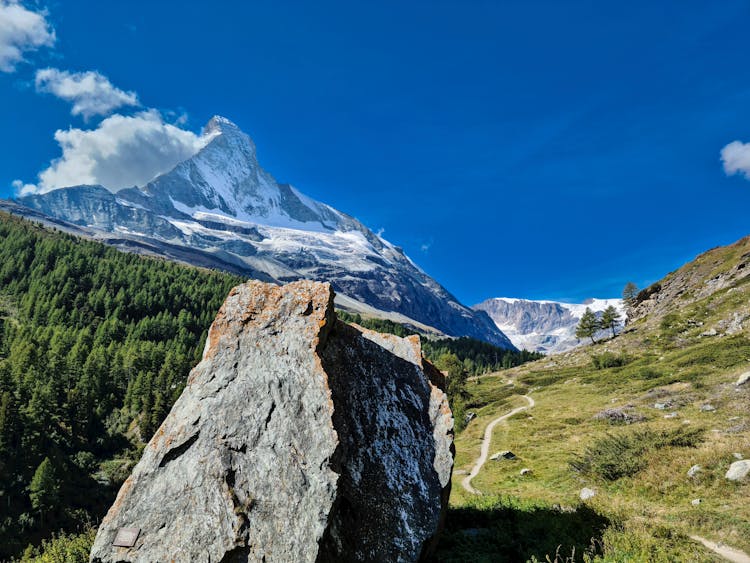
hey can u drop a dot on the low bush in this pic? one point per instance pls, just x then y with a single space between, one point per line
623 455
64 548
648 373
644 542
672 324
609 360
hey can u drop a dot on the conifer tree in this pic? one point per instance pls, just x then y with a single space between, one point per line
587 326
630 293
44 489
9 439
610 319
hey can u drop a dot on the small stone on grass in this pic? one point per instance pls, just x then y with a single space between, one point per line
587 493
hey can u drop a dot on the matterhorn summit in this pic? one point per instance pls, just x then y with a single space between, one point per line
221 209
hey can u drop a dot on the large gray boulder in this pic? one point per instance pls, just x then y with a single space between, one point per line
297 438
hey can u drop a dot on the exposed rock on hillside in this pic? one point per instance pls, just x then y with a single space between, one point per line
297 438
743 378
714 271
738 470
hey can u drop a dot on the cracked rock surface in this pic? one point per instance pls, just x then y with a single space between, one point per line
297 438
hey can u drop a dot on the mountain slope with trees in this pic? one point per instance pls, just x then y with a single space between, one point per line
95 345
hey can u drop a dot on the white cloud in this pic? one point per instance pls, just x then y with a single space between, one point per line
23 189
123 151
736 158
21 30
90 93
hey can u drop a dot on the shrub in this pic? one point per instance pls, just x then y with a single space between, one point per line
65 548
115 471
641 542
85 461
623 455
672 325
648 373
610 360
614 456
645 294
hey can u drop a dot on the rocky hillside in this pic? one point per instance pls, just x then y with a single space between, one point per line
714 274
221 209
297 438
542 326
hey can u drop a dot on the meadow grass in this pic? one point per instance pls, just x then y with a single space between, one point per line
643 504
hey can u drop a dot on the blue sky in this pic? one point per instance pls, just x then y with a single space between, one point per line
527 149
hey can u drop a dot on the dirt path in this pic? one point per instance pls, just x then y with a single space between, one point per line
486 442
728 553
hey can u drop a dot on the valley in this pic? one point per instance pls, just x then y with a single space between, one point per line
623 421
95 346
628 418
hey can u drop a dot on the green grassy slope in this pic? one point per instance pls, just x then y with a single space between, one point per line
683 353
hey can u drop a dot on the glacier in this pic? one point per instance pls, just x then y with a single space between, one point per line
543 326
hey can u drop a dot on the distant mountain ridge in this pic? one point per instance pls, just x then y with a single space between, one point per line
542 326
221 209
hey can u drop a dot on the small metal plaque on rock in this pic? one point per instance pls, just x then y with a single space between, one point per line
126 537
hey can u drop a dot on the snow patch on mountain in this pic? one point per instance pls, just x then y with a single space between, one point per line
542 325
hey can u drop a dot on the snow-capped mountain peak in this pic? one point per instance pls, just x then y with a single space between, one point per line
543 326
222 209
219 123
225 181
224 137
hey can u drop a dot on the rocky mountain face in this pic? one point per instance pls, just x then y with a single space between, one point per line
542 326
297 438
220 209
